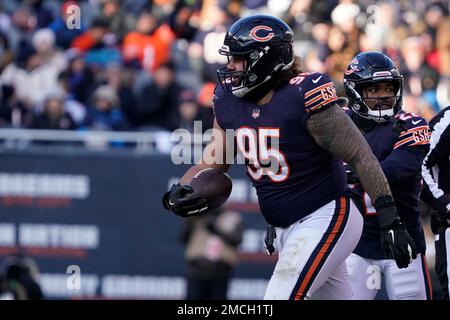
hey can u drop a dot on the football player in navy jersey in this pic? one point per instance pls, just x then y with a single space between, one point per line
264 96
400 141
436 192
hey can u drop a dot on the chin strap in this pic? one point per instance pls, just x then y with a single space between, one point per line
256 94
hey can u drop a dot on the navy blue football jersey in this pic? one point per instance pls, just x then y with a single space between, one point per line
400 146
305 177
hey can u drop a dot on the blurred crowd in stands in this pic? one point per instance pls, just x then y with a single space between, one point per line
140 65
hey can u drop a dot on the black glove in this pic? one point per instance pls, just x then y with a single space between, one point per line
396 242
442 206
441 215
180 200
352 177
269 239
398 245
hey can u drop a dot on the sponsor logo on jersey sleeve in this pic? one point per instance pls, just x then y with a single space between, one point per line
415 136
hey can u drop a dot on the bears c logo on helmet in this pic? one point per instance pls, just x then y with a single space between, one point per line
352 67
254 36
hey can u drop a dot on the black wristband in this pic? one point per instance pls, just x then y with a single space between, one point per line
386 212
383 202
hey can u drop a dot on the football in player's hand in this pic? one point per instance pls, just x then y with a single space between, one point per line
212 185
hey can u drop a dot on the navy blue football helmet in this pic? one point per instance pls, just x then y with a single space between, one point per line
265 45
364 70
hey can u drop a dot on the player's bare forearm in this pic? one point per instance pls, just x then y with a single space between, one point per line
334 131
214 155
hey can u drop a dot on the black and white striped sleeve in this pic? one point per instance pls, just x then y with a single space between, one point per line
439 153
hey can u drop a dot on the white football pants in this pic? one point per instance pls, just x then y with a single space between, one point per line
312 253
411 283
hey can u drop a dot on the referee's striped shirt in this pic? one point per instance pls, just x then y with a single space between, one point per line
436 165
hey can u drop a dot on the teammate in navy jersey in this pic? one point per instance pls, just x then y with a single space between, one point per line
436 192
300 181
400 141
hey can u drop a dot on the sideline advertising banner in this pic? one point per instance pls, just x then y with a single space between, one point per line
98 215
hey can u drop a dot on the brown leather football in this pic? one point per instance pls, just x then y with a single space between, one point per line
212 185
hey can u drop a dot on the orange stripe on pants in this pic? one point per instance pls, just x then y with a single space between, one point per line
428 279
322 251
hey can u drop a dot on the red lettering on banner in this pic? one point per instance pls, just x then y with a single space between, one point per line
30 202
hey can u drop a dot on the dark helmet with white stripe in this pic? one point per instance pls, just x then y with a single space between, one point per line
265 45
366 69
